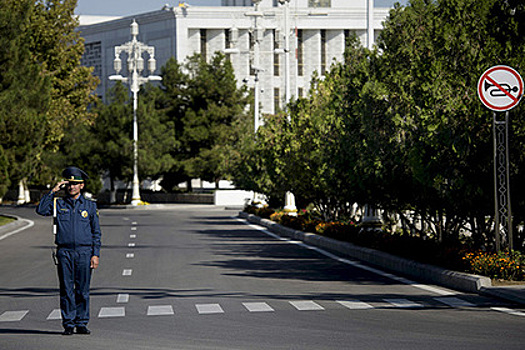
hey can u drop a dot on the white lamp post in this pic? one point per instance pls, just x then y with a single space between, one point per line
257 33
289 198
135 62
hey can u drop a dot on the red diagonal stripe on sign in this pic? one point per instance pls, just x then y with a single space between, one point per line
515 99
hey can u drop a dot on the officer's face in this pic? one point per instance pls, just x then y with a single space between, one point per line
73 188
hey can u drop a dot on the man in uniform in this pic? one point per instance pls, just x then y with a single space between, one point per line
78 247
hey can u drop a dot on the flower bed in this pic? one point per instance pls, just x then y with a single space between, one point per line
450 255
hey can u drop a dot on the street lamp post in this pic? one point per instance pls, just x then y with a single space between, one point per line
135 63
289 199
257 33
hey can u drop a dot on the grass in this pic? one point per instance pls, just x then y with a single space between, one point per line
4 220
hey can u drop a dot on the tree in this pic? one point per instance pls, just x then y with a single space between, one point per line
57 47
205 105
24 96
433 67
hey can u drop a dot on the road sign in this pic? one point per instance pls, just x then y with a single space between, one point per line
500 88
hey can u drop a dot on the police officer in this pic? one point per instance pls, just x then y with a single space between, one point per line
78 247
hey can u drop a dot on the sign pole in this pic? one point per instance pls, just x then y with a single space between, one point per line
500 89
503 214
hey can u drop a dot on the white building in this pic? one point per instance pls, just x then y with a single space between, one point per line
317 31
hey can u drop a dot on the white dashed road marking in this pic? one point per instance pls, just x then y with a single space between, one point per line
54 315
355 304
508 311
205 309
306 305
403 303
122 298
131 244
454 302
160 310
130 255
10 316
112 312
127 272
258 307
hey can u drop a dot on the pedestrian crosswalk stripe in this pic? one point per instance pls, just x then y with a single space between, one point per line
355 304
508 311
306 305
134 223
133 229
160 310
112 312
132 236
403 303
301 305
127 272
130 255
454 302
54 315
10 316
258 307
131 244
209 309
122 298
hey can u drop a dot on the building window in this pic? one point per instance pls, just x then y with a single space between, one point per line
276 63
300 92
236 3
276 100
227 43
323 51
252 51
299 52
203 43
319 3
92 57
349 37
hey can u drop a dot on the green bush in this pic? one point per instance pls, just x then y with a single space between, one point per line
502 265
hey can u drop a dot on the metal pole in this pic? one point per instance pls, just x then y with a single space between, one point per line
370 24
256 101
507 167
134 49
287 52
496 199
135 197
503 214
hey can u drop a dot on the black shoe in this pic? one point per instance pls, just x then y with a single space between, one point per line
68 331
83 330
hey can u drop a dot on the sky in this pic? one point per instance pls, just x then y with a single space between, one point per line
132 7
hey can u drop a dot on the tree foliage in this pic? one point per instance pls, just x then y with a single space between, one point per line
24 96
207 109
401 127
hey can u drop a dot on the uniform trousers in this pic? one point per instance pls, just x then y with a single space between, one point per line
74 274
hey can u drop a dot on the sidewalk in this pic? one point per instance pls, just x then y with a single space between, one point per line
451 279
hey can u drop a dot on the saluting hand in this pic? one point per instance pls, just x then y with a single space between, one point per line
59 185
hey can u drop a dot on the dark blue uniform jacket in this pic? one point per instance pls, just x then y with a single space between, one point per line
77 221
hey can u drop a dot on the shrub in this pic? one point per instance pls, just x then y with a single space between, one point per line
264 212
500 265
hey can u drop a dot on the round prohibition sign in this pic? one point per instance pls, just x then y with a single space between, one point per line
500 88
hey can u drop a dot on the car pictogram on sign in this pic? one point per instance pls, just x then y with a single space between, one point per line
500 88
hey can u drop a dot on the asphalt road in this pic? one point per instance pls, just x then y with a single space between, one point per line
195 277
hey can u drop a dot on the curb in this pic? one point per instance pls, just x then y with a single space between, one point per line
14 227
440 276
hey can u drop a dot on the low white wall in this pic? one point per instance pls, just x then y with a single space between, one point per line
236 198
